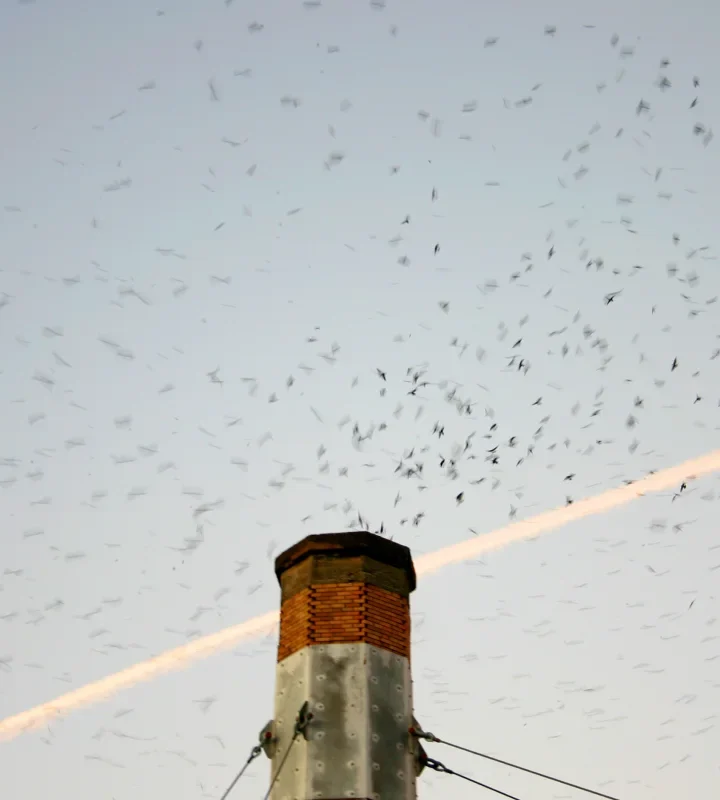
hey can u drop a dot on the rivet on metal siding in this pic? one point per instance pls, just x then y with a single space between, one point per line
400 773
376 766
375 737
399 716
320 766
320 706
374 679
398 687
399 746
321 677
351 765
319 734
375 708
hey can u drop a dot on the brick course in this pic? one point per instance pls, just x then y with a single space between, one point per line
335 613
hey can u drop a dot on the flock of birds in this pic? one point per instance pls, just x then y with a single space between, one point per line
474 397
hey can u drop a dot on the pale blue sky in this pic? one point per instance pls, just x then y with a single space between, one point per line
566 654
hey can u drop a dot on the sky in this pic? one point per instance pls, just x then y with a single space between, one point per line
204 269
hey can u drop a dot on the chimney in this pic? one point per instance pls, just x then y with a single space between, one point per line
343 696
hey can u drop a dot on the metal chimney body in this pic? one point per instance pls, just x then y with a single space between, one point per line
343 699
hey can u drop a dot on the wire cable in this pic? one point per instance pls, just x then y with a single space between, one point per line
254 753
438 767
282 764
432 738
301 723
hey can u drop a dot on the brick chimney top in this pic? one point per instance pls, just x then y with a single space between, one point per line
349 545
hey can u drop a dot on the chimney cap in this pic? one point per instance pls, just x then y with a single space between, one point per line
348 545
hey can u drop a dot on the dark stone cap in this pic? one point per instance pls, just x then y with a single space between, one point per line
349 545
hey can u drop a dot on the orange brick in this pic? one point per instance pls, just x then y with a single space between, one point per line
342 613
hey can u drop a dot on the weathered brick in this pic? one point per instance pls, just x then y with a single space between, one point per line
343 612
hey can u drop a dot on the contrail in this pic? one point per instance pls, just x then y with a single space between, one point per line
551 520
425 565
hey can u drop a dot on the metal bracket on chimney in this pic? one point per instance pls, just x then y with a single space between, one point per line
268 740
303 719
418 751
